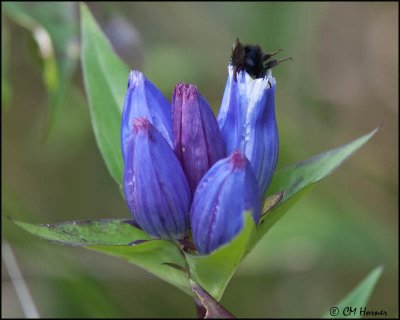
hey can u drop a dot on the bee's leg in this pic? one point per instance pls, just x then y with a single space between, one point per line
274 63
269 55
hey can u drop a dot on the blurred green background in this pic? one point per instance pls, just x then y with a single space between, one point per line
342 83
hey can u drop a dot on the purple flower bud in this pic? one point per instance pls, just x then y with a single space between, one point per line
247 122
226 191
197 140
143 99
155 185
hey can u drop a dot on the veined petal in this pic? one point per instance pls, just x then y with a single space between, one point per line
143 99
197 140
226 191
247 122
155 185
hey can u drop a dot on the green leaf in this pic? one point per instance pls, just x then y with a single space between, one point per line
153 256
87 232
122 239
5 83
213 271
296 180
118 238
105 77
358 297
54 27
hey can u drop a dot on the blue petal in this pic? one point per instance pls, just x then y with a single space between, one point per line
230 116
143 99
227 190
247 122
155 186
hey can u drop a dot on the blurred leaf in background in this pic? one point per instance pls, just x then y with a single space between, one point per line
5 85
343 82
54 27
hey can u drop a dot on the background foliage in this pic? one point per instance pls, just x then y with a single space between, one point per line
342 83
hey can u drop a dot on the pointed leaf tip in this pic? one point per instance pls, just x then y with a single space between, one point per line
105 76
87 232
359 296
299 178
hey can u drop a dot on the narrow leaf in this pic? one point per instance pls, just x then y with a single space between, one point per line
87 232
296 180
357 298
105 78
115 237
295 177
154 256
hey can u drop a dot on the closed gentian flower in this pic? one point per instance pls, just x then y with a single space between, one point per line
225 192
143 99
247 122
155 185
197 140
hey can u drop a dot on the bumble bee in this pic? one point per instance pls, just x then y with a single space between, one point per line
252 59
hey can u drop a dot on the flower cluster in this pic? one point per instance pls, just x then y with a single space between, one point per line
186 170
